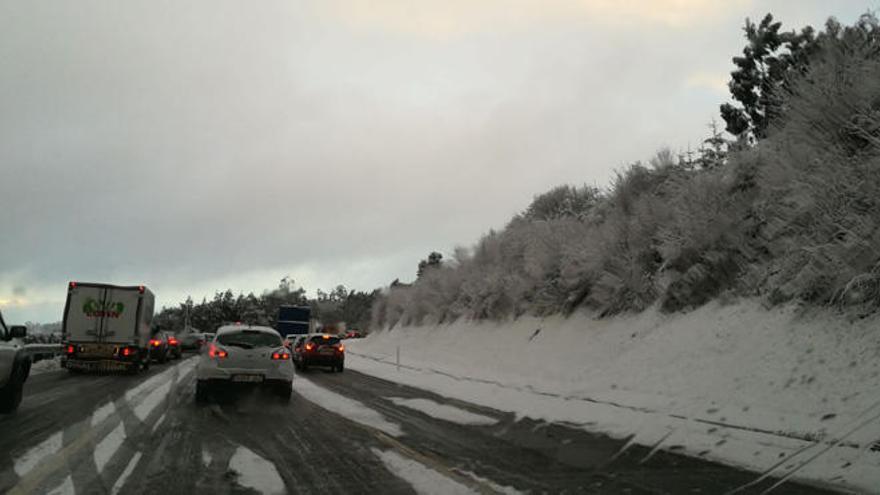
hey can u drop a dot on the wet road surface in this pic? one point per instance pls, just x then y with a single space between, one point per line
342 433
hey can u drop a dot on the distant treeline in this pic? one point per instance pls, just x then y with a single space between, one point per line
338 305
785 206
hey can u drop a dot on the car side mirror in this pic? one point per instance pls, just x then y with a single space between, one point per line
18 331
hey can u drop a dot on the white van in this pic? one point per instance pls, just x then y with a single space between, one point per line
107 327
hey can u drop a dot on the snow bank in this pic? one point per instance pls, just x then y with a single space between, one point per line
736 383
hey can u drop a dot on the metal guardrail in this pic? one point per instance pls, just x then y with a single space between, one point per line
38 352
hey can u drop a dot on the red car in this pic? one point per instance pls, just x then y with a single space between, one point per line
319 350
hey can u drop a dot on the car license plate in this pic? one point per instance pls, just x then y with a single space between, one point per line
327 350
247 378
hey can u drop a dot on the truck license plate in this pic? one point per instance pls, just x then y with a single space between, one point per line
247 378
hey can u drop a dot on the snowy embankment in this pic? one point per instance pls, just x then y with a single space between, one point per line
794 396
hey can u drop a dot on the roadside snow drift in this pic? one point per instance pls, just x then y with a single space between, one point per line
768 390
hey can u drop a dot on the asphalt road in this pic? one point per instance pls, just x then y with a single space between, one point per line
90 434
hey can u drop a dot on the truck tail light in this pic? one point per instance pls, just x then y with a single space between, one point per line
70 350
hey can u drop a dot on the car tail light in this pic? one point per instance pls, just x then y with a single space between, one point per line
280 356
310 346
341 348
172 341
71 349
216 352
155 343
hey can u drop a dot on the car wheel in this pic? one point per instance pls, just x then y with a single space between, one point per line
201 392
12 392
340 367
164 358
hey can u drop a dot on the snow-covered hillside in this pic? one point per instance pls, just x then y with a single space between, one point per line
772 390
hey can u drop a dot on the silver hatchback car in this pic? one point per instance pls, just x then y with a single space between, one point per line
245 355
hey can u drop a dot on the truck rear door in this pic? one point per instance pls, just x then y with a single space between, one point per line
83 320
120 315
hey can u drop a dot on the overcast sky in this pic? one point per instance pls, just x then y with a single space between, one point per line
203 145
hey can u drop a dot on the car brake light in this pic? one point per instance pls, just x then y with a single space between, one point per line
310 346
280 356
172 341
216 352
71 349
155 343
342 348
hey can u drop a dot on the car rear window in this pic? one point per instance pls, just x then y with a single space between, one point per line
321 340
249 339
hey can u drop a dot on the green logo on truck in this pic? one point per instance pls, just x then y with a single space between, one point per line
96 309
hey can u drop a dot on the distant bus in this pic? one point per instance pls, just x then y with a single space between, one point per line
294 320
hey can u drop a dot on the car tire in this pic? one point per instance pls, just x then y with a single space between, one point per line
340 367
164 358
12 393
201 392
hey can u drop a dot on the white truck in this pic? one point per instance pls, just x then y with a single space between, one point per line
107 327
15 365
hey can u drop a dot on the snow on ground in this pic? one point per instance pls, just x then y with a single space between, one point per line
27 461
444 412
65 488
120 482
152 401
425 481
103 413
344 406
46 365
255 472
734 383
107 447
502 489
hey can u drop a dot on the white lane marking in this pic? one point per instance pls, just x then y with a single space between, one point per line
65 488
125 474
35 455
103 413
346 407
106 448
444 412
152 401
255 472
424 480
158 423
149 383
206 457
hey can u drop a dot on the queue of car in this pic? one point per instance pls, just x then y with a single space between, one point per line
109 328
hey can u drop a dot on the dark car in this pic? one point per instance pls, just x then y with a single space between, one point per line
159 349
193 341
174 349
319 350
